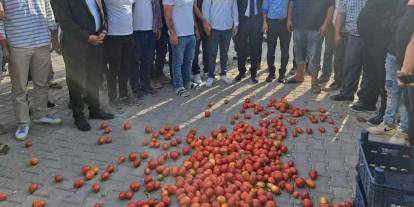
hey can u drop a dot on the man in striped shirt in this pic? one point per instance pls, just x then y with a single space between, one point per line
30 28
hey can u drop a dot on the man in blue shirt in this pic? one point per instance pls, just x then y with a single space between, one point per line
274 24
310 21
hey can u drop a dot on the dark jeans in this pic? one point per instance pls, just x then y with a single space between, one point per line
278 30
161 48
218 38
408 95
84 75
204 43
118 50
339 55
329 52
143 59
352 65
249 43
374 68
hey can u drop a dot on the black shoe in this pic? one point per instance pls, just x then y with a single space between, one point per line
341 97
358 107
82 124
281 78
101 115
149 91
333 87
239 77
254 80
50 104
376 120
270 78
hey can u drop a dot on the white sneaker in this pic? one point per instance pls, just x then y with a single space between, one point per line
197 79
226 80
22 132
48 119
381 129
400 138
209 82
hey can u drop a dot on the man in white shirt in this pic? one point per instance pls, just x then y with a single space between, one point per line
118 47
147 24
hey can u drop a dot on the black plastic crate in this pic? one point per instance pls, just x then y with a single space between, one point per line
387 173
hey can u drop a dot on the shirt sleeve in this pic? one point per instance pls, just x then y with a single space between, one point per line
50 17
265 7
340 7
168 2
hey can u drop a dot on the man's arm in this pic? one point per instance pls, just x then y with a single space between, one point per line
408 65
64 17
289 18
265 8
198 12
339 24
1 11
235 13
328 21
168 13
206 13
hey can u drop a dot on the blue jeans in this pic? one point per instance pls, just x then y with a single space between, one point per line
352 66
308 46
218 38
183 55
394 94
143 59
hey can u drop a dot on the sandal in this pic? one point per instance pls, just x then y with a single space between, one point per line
4 148
183 93
195 85
316 89
292 80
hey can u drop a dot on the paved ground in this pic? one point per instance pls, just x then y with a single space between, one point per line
63 149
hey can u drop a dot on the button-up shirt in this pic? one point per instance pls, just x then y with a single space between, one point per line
351 9
247 13
221 14
93 8
28 23
275 9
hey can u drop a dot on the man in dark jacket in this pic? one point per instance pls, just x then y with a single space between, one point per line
249 36
84 27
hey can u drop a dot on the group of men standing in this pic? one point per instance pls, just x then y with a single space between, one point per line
129 39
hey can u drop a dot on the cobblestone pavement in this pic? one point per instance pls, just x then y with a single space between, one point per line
63 149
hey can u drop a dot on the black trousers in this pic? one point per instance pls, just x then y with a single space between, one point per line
374 72
278 30
249 43
84 69
162 46
203 43
118 51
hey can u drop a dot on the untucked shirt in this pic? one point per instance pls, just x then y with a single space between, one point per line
93 8
182 16
310 14
221 14
351 10
28 23
256 10
119 17
404 33
143 15
275 9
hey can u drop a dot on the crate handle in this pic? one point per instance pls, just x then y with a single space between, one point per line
364 136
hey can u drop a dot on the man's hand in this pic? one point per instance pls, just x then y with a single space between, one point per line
173 39
158 34
289 25
235 31
207 28
403 72
323 30
102 35
95 40
338 39
265 27
6 55
197 34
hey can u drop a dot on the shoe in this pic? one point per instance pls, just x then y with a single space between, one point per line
209 82
101 115
362 108
381 129
316 88
182 92
270 78
164 79
82 124
55 86
50 104
226 80
239 77
254 80
195 86
22 132
138 94
48 119
323 79
376 120
281 78
155 84
333 87
400 138
341 97
292 72
149 91
197 79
